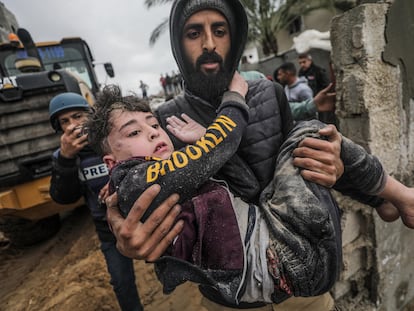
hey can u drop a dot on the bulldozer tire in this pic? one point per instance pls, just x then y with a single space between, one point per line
23 232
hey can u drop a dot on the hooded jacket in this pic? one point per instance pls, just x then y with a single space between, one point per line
269 114
270 118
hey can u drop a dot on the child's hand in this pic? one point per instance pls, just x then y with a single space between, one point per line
188 131
238 84
103 193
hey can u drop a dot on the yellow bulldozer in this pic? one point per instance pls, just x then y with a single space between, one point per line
31 74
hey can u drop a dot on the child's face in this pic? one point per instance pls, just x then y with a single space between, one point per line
136 133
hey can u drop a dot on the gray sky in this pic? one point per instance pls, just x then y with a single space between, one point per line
116 32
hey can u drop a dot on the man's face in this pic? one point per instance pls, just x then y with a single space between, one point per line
72 119
134 134
304 63
282 76
206 31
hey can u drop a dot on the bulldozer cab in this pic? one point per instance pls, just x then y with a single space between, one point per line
31 74
71 54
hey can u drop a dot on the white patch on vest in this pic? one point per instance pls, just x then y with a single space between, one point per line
93 172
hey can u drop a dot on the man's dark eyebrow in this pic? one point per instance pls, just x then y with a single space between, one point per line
199 25
192 26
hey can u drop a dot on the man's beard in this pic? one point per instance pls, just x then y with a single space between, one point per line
209 86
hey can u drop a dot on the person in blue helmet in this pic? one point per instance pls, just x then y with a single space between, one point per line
78 172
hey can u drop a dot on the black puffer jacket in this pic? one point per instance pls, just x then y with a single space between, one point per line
269 122
269 115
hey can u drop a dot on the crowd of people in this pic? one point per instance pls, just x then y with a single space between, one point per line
218 154
171 84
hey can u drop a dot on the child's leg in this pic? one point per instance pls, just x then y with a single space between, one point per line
365 180
304 256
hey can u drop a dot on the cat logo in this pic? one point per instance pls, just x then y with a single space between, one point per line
8 83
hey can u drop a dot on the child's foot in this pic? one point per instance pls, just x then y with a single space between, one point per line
404 205
407 214
388 212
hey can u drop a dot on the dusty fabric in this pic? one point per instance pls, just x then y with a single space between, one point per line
259 284
362 171
304 219
304 225
216 257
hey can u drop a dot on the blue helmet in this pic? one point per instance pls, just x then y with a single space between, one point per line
63 102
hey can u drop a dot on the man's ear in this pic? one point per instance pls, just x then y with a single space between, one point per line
109 160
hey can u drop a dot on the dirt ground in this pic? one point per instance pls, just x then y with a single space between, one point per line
68 272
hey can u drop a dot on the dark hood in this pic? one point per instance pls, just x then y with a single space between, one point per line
233 10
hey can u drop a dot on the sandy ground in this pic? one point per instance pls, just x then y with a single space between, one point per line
68 272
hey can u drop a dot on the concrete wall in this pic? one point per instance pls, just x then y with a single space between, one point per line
375 109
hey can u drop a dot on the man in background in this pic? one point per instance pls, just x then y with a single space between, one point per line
79 172
317 80
315 75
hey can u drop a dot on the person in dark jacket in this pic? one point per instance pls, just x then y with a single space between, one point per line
315 75
317 81
210 249
206 77
79 172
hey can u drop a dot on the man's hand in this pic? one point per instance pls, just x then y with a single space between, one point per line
71 141
147 240
320 159
325 101
186 130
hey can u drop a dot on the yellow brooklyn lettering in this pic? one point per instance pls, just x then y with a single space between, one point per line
216 140
152 172
223 125
166 163
217 127
205 144
180 159
193 152
226 122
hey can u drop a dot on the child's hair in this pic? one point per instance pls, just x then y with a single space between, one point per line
100 121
